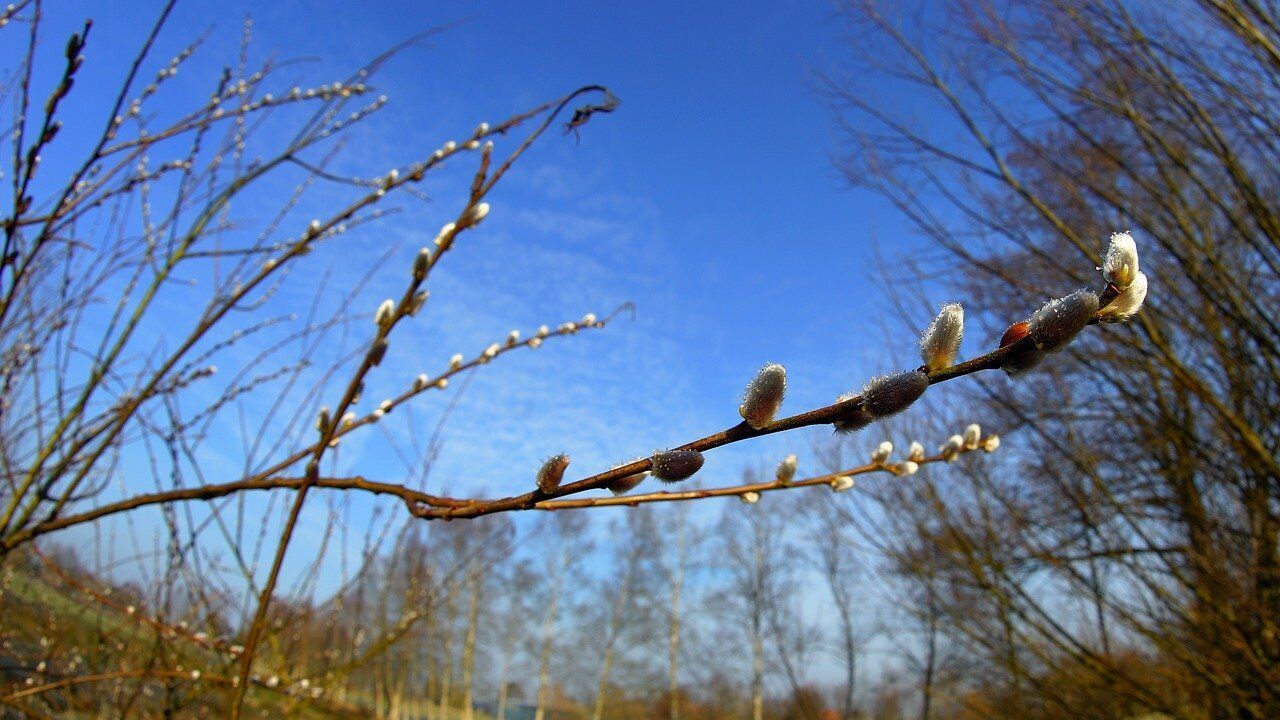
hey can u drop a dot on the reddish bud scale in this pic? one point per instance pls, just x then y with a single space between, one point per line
1016 332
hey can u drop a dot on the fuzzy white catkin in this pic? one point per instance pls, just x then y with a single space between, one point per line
750 497
1120 267
385 312
787 469
841 483
951 450
1127 303
940 343
882 453
455 362
475 214
972 435
915 452
764 396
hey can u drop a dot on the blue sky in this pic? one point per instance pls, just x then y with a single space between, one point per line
709 199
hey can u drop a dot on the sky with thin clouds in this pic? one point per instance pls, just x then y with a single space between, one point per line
709 199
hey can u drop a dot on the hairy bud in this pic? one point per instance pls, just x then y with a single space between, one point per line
786 469
951 450
323 421
764 396
916 452
906 467
883 397
552 472
1120 267
474 215
675 465
972 435
991 443
445 233
881 453
421 263
626 484
750 497
385 312
1057 323
1127 303
455 362
420 383
840 483
1052 328
941 342
891 394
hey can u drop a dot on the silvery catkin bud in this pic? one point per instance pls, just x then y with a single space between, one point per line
750 497
972 435
552 472
675 465
882 453
951 450
941 342
883 397
841 483
916 452
625 484
764 396
1057 323
385 312
1051 328
474 215
1120 267
421 263
787 469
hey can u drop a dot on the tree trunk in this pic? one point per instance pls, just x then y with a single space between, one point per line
548 635
673 638
469 647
